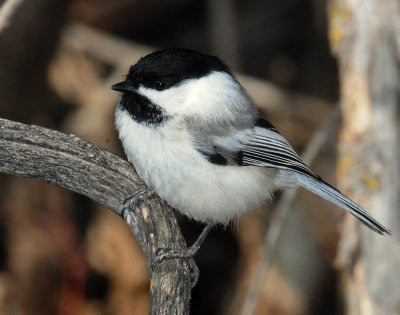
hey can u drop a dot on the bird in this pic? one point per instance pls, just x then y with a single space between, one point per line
196 139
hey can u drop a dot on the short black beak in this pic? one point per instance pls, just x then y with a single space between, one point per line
123 86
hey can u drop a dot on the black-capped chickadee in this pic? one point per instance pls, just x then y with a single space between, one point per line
194 136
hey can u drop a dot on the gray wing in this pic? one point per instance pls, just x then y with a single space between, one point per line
257 143
261 145
268 148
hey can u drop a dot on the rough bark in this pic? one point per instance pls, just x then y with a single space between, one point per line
363 36
70 162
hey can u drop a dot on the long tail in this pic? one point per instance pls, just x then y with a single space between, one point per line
319 187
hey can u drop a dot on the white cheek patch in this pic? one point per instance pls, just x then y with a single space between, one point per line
171 100
211 96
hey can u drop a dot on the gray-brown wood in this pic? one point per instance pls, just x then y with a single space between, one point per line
364 35
70 162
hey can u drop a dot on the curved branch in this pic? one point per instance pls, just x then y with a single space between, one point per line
68 161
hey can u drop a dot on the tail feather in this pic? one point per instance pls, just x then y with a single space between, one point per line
319 187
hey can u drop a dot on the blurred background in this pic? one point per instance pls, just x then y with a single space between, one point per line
61 253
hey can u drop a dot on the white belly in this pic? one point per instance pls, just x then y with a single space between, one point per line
168 163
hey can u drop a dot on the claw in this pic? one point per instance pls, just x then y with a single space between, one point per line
133 200
185 254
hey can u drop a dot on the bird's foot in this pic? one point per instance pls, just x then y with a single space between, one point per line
168 253
135 198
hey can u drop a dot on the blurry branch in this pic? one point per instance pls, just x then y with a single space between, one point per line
7 10
103 47
364 36
72 163
282 210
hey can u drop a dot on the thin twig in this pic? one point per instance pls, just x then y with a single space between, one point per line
282 209
7 11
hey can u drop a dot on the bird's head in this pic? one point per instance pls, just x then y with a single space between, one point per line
179 82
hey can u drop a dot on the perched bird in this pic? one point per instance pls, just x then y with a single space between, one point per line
194 136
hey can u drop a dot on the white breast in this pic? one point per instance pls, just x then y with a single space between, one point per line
166 161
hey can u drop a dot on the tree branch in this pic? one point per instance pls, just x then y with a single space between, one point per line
70 162
7 10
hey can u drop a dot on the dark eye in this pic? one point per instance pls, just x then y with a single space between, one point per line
159 86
